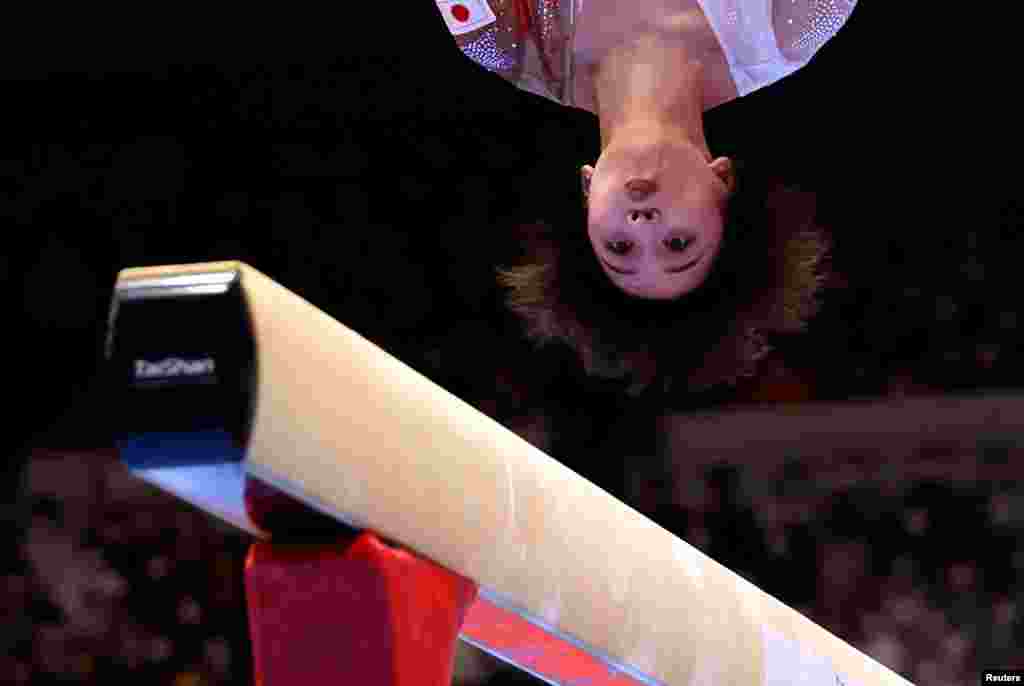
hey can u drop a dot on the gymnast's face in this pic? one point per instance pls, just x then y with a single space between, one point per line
655 214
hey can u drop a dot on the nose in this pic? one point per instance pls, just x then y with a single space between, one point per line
640 189
646 216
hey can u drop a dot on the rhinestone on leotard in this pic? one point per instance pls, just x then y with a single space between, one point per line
824 19
485 52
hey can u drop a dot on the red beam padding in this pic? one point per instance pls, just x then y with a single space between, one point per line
355 612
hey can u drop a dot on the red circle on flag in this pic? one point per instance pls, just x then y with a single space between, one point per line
460 12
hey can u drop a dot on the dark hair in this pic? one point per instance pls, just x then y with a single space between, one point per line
770 269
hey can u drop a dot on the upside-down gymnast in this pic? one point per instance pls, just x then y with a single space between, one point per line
665 277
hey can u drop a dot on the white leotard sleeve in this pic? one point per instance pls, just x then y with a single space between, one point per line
766 40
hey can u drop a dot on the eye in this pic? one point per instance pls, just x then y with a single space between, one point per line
678 244
619 247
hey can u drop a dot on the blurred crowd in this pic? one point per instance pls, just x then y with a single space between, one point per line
149 592
922 576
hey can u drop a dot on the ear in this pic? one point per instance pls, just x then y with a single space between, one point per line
586 174
724 169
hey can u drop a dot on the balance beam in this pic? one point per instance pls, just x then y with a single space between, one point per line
227 376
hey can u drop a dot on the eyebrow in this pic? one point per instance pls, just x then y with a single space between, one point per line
614 268
673 270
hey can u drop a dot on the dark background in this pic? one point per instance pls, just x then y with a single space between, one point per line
376 171
359 159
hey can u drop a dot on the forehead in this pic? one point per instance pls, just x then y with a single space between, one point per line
660 287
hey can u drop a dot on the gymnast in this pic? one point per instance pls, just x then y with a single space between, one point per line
666 276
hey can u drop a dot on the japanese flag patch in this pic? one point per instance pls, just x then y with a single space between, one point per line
463 16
